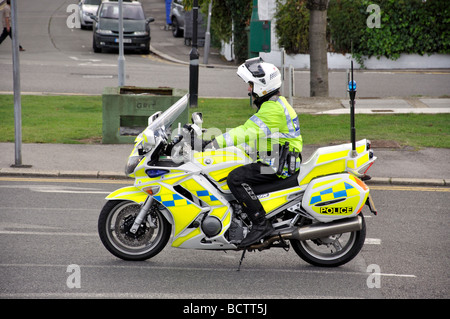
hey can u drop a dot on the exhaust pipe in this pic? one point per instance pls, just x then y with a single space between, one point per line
327 229
318 230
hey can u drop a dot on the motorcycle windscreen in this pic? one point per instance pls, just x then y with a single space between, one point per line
167 118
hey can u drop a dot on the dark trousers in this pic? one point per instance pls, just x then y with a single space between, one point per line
5 34
242 182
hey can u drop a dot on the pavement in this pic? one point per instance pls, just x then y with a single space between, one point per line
395 165
172 49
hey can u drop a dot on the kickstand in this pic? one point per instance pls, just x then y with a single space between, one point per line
242 258
283 243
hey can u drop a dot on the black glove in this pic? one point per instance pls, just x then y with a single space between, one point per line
212 144
208 144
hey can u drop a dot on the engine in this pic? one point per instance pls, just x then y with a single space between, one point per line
211 226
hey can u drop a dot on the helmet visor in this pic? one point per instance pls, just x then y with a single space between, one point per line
255 68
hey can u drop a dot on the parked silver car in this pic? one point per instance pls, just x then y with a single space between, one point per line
177 14
87 8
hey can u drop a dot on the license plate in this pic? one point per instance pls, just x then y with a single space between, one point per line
124 40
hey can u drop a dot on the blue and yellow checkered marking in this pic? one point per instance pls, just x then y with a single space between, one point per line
331 193
171 200
206 196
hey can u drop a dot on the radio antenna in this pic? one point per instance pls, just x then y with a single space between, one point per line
352 93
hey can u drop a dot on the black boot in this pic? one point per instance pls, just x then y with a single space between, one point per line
261 228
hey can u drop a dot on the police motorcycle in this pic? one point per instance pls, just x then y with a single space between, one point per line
181 193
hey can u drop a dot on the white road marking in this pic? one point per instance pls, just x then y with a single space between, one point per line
201 269
57 189
372 241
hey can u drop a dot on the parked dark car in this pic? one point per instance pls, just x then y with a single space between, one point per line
136 29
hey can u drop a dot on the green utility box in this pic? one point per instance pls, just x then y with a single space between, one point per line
126 110
260 36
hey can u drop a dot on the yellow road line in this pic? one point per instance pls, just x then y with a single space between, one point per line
65 180
411 188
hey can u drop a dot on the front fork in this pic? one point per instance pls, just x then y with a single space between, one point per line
141 215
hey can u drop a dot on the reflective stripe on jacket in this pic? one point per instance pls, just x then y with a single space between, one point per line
275 123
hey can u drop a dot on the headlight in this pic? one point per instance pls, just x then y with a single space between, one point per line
133 161
140 33
104 32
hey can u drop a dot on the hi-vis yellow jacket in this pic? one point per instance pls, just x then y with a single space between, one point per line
275 123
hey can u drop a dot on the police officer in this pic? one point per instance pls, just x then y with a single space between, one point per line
274 122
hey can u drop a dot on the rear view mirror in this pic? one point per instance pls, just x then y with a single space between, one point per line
92 16
197 118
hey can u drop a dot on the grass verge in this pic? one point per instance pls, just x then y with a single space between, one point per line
78 119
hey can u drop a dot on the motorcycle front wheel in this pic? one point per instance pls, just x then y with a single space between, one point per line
331 251
115 221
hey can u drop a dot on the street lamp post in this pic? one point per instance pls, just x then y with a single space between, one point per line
194 60
207 35
16 86
121 60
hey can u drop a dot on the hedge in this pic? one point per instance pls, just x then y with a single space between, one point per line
292 25
406 26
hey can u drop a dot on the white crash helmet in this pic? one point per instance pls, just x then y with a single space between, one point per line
265 77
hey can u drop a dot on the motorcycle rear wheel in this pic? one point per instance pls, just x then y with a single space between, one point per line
114 223
331 251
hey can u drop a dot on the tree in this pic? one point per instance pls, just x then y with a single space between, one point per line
228 15
318 47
